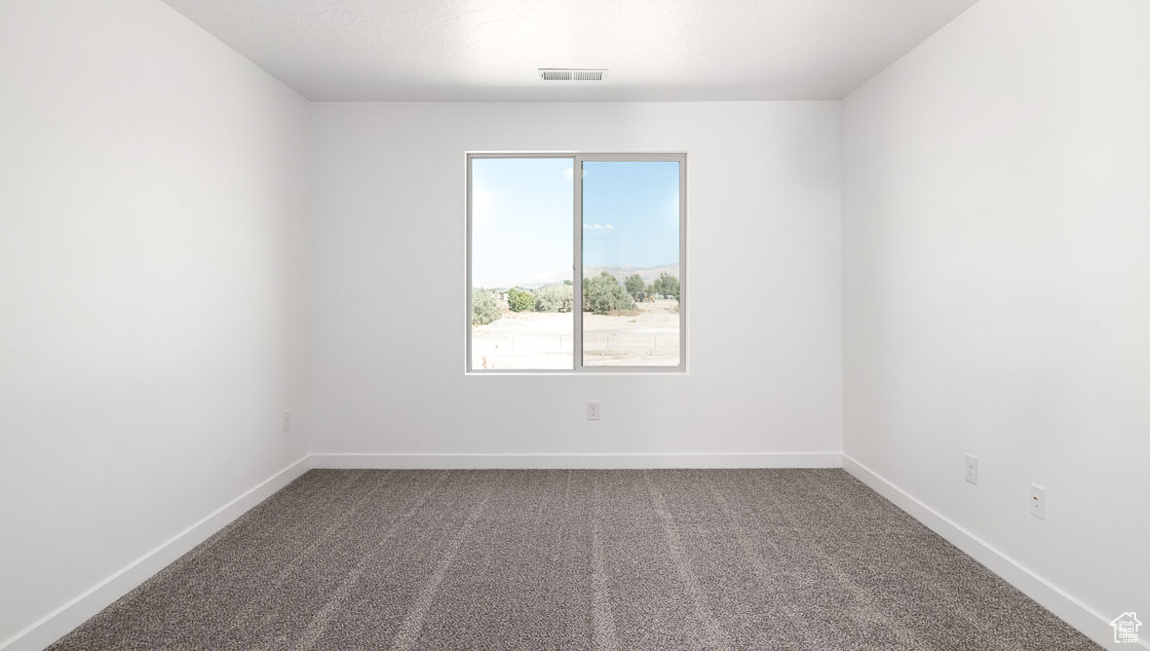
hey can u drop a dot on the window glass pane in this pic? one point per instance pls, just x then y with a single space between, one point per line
631 263
521 244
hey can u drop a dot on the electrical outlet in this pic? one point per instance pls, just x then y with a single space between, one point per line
593 410
1037 501
972 469
285 421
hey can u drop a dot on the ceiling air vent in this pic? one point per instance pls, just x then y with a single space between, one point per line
573 74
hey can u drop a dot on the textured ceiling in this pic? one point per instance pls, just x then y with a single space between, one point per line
490 49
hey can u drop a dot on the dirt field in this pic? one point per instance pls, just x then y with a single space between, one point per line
531 340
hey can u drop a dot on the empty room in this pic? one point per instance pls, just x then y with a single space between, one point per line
604 325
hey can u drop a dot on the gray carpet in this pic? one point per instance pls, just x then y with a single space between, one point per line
632 560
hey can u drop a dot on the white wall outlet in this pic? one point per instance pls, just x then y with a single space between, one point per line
972 469
593 410
1037 501
285 421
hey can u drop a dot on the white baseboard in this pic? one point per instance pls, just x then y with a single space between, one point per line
77 611
1082 617
572 461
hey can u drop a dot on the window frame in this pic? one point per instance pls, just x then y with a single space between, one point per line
578 158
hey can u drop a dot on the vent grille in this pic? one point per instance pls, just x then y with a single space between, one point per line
573 74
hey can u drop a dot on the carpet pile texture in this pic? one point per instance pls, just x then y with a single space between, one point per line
602 560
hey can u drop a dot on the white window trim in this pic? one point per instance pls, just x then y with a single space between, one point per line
578 158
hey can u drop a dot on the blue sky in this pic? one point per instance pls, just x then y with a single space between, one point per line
521 217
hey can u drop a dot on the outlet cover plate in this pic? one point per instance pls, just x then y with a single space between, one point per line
1038 501
971 474
593 410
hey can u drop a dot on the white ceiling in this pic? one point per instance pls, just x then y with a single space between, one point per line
490 49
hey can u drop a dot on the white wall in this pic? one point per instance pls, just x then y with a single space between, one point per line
152 221
388 287
996 243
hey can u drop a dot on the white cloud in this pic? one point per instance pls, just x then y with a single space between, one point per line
599 226
610 227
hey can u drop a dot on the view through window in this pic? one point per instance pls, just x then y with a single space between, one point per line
540 235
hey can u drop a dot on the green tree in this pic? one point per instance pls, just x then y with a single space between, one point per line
554 298
635 285
603 294
520 300
667 285
484 308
